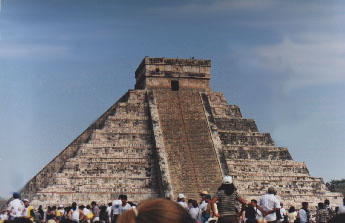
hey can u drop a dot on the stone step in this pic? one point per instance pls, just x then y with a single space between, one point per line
235 124
257 152
245 138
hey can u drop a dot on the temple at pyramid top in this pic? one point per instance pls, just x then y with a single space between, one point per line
174 73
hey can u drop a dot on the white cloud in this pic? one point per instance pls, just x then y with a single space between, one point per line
30 50
311 60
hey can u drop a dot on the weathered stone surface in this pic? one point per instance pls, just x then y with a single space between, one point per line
172 135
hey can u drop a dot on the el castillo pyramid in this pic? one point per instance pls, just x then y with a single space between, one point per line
172 135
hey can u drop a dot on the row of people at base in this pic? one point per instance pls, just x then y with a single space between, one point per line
265 210
268 209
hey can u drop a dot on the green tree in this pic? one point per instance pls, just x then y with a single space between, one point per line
337 186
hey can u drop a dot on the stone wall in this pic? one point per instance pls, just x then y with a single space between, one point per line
255 163
116 158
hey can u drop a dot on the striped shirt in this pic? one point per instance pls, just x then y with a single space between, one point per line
226 203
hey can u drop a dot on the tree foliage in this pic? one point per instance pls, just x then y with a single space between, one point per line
337 186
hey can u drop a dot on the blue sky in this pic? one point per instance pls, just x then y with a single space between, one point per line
64 62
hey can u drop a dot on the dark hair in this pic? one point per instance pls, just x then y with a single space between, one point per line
54 207
292 209
320 205
81 207
207 196
228 188
326 202
304 204
131 203
74 206
194 203
93 203
156 211
190 201
344 200
254 201
110 204
88 206
123 197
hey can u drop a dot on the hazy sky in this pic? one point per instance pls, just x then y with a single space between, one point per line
64 62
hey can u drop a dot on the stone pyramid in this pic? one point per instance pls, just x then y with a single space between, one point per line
172 135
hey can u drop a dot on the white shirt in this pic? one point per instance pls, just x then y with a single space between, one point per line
282 212
302 214
116 207
62 212
3 217
75 214
86 211
183 204
125 208
108 211
292 216
259 213
269 202
195 213
203 206
341 209
16 208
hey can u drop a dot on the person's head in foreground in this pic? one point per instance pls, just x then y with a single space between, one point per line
156 211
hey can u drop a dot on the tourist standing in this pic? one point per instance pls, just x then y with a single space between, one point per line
124 206
206 212
108 211
3 215
28 210
270 204
95 211
181 201
115 209
15 208
203 203
40 212
226 196
195 211
292 215
322 214
328 208
303 213
250 213
75 214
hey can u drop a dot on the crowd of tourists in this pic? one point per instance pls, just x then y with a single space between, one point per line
221 207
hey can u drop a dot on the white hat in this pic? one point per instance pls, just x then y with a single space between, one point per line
26 200
180 196
227 180
61 206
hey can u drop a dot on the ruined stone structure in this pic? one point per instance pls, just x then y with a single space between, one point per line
172 135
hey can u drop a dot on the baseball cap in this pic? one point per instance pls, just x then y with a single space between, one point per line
180 196
227 180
